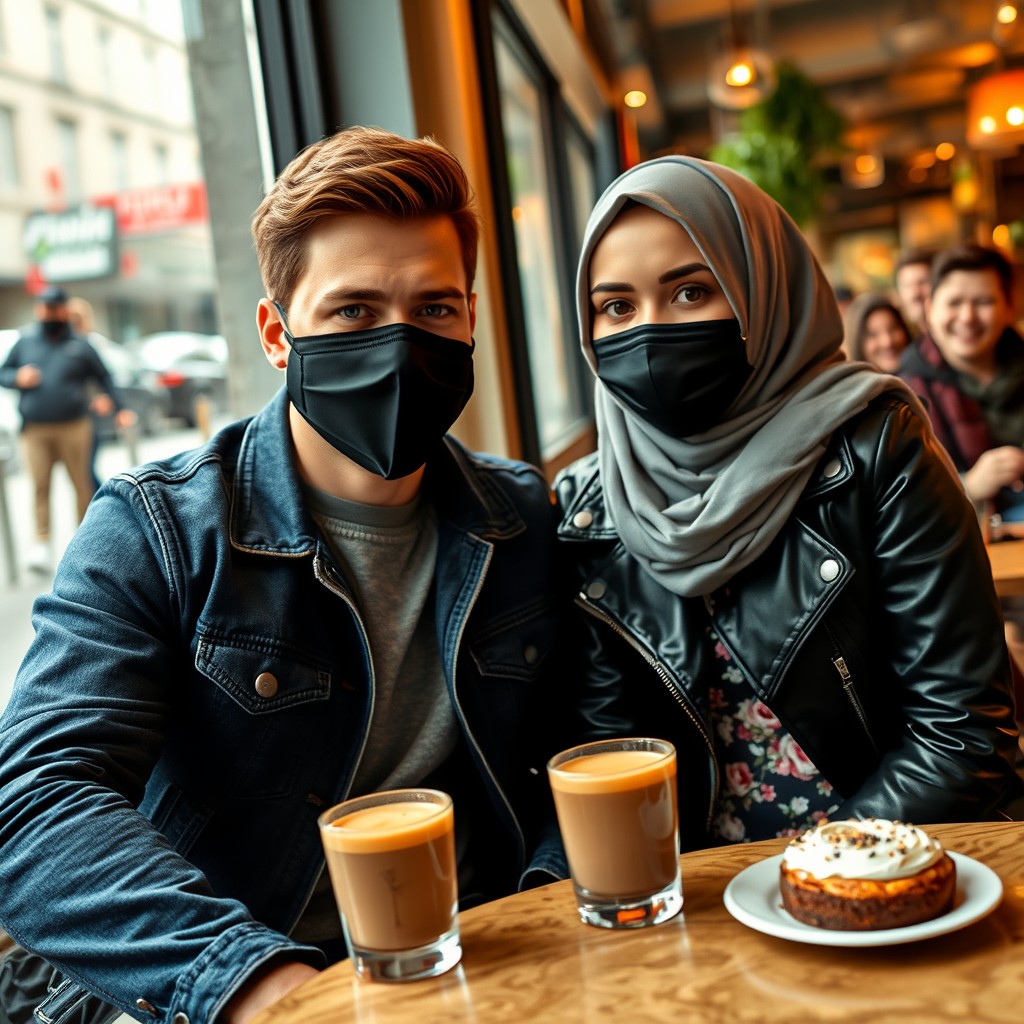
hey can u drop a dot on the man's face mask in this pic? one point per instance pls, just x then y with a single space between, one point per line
384 397
680 378
52 324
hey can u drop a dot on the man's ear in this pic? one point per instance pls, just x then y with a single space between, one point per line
472 312
271 328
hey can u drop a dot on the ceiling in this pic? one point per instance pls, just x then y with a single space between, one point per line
897 70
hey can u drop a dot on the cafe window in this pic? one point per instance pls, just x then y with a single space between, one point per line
67 157
582 185
543 164
150 78
161 164
106 55
8 156
119 160
55 44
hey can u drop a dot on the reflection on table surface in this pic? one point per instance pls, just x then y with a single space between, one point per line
527 958
1007 558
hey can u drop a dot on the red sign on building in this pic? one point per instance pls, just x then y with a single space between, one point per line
151 211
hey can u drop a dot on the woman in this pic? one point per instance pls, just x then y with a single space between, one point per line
875 332
777 568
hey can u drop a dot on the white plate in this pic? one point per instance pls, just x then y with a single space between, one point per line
752 897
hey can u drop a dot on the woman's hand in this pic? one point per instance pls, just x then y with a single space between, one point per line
995 469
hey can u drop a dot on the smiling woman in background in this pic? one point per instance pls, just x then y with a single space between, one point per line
775 565
875 332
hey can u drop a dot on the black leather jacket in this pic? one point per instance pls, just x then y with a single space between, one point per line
870 627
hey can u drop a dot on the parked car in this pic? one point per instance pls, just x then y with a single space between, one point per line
141 389
190 366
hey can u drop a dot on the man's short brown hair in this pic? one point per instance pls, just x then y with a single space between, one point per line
359 170
974 258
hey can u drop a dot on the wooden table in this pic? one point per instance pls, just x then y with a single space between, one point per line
528 959
1007 558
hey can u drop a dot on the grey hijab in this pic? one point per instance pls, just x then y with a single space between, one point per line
697 510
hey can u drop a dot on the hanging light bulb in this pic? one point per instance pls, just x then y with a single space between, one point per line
863 169
995 110
743 75
740 79
1006 14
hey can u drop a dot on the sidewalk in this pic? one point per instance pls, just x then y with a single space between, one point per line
16 599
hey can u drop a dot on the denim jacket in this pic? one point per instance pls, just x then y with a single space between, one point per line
198 691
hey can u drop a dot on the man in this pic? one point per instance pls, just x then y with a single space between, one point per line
328 599
54 368
913 280
969 370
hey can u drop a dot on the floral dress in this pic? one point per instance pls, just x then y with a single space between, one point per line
769 786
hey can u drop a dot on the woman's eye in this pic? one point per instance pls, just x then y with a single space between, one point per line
616 308
350 312
691 293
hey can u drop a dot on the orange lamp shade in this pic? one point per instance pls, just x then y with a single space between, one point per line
995 111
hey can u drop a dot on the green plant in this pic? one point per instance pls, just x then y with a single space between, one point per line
780 140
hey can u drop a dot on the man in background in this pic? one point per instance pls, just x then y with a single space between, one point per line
82 320
913 281
57 373
968 368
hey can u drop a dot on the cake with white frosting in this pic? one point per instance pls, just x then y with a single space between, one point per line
861 875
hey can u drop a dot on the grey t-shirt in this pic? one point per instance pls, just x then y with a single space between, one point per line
387 557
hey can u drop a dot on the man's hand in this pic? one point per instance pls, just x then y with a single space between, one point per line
262 989
995 469
102 405
125 418
28 377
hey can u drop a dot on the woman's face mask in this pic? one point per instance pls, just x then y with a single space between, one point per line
666 340
680 378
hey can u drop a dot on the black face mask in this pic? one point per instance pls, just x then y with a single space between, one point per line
54 328
384 397
680 378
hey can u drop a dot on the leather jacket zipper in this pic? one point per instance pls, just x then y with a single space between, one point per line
847 678
665 676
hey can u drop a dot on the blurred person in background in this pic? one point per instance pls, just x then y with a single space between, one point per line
82 320
913 282
968 368
844 296
875 332
58 373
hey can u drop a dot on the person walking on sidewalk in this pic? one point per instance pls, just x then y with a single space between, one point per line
53 368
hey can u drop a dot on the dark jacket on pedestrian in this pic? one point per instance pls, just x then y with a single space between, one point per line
72 373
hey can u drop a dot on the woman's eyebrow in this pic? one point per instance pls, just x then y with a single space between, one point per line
687 268
612 286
